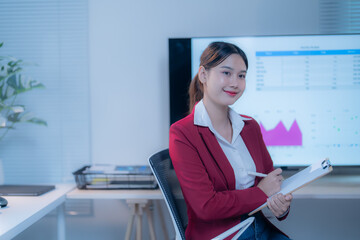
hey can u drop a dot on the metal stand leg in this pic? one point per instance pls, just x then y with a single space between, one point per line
61 222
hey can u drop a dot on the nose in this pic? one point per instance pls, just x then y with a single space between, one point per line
234 81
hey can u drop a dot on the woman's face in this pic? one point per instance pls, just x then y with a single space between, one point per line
225 83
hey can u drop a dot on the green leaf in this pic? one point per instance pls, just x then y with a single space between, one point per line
9 92
13 63
37 121
9 127
20 85
12 81
14 117
2 97
17 108
36 84
12 108
26 116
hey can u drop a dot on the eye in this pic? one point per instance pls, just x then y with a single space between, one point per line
242 76
226 73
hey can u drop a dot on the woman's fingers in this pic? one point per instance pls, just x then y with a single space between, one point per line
271 184
278 204
281 178
289 197
276 172
273 208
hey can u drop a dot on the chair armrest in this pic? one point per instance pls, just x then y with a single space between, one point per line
241 227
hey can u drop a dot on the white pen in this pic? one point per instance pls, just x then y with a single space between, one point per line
257 174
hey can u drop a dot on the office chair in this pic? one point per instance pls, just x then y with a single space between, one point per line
169 185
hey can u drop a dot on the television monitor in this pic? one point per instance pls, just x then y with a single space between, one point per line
303 90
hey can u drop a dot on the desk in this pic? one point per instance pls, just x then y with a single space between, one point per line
331 187
22 212
137 200
328 187
324 209
115 194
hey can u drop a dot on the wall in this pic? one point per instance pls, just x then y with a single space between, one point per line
129 95
129 61
129 79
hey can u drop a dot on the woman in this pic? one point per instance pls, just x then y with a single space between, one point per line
213 148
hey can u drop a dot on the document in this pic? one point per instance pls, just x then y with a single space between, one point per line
302 178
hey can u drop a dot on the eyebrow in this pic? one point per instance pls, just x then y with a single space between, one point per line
230 68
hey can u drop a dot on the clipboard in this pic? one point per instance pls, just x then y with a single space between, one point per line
301 179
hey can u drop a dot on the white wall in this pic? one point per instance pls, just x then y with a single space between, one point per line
129 61
128 52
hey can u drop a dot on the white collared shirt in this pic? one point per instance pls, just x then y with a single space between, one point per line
236 151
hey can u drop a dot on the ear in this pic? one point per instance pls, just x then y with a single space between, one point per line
202 73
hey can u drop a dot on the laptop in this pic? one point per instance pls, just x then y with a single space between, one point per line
25 190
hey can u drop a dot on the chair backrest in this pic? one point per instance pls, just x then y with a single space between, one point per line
164 173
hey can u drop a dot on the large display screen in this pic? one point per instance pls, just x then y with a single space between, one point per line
304 91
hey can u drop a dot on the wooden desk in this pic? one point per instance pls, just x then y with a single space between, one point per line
137 200
22 212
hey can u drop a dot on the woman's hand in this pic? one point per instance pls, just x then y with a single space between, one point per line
271 184
279 204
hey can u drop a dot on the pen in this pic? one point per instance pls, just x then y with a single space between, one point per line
257 174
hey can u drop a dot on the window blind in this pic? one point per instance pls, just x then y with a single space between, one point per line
52 35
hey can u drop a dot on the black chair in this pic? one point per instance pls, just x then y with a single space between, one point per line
164 173
169 185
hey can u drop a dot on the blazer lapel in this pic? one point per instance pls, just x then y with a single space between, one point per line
252 145
218 155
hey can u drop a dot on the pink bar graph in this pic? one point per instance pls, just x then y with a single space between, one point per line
280 136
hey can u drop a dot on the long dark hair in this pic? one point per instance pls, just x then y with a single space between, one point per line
212 56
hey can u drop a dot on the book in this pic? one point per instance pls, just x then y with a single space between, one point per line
301 179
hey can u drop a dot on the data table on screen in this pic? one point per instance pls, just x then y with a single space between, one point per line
304 91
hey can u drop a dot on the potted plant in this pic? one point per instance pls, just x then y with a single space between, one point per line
12 83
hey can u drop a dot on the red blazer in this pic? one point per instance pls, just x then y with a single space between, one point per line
207 179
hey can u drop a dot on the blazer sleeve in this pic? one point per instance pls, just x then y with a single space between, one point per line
207 202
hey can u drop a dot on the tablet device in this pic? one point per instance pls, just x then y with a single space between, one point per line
25 190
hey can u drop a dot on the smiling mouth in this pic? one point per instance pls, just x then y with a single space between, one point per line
230 93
